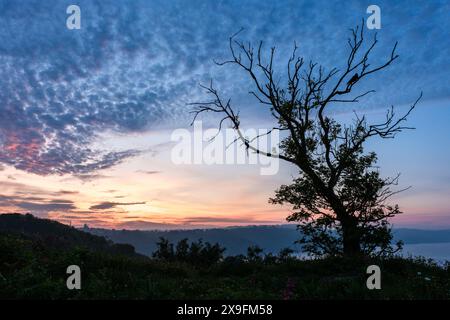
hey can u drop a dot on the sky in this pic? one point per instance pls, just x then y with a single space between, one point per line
87 116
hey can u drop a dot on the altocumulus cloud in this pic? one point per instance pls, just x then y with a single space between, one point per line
135 64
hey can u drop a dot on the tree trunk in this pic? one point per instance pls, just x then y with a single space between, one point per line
350 239
350 236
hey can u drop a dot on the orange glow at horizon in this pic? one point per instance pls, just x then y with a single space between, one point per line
149 192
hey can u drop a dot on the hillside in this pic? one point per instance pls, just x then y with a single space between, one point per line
55 235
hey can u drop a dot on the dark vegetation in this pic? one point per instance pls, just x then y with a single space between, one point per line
33 265
194 253
58 236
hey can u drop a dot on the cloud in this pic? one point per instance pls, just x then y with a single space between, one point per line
148 225
149 172
227 220
66 192
21 188
109 205
133 66
36 204
23 197
33 206
90 177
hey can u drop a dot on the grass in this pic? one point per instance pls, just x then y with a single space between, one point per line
30 270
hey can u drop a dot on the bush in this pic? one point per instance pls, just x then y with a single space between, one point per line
197 253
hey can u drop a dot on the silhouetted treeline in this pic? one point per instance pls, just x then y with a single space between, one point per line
204 253
195 253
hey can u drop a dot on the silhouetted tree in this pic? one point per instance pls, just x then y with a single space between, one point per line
211 254
254 253
182 250
197 253
285 254
339 197
164 250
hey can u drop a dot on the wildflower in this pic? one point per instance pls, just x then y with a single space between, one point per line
288 292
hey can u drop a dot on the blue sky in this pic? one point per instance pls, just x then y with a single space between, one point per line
134 65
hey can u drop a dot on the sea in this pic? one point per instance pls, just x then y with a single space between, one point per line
439 251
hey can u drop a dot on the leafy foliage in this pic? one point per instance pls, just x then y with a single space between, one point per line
196 253
362 192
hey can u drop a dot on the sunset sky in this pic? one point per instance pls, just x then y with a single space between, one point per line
86 116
